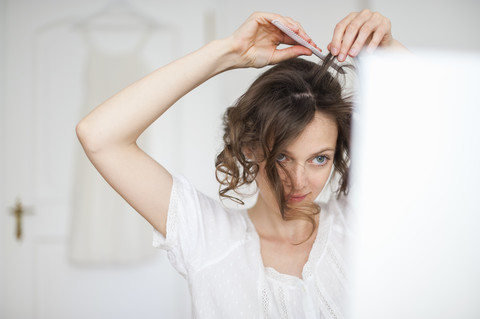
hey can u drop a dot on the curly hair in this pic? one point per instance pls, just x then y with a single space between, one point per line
272 113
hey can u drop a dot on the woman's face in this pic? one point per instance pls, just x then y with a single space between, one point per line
308 160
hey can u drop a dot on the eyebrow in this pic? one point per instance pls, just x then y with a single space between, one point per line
328 149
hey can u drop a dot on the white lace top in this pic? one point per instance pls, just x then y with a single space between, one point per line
218 252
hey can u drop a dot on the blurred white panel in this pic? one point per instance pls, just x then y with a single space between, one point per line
417 183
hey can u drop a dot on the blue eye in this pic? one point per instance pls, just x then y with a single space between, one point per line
320 160
281 158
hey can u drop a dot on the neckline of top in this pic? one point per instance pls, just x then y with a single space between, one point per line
316 253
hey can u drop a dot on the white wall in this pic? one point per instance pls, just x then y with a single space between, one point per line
444 24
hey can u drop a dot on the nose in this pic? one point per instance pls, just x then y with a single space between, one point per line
299 177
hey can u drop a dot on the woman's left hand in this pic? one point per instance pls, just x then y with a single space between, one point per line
358 30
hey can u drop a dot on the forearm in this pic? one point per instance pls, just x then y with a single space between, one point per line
120 120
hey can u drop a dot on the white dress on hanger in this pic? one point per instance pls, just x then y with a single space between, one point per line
105 229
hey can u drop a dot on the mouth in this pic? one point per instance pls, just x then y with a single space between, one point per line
296 198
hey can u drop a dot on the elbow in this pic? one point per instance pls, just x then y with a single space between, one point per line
87 137
80 131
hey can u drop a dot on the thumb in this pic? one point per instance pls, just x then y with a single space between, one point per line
280 55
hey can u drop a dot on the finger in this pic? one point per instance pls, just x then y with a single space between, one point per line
281 38
289 53
363 37
377 32
306 37
278 37
362 20
296 27
338 32
376 39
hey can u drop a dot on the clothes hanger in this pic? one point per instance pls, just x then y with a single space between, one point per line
117 14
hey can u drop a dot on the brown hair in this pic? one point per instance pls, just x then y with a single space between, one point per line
274 111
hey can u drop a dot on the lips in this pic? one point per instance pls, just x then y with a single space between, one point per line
296 198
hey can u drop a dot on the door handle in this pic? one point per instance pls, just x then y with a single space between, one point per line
19 211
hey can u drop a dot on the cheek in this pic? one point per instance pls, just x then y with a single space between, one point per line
282 175
318 178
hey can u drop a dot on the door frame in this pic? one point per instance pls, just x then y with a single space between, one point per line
3 210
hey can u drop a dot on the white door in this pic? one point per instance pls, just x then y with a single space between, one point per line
41 94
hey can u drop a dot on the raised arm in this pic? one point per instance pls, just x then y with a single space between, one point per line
109 133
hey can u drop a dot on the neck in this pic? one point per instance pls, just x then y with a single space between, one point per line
269 223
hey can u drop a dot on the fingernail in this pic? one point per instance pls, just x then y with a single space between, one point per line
335 51
341 57
353 52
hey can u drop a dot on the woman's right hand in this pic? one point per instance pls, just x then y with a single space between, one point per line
255 42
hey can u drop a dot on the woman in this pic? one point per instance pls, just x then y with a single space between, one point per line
284 256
